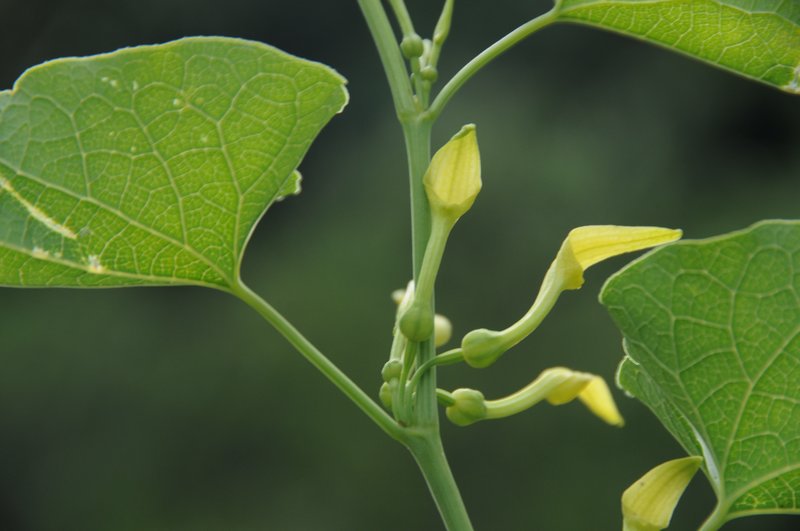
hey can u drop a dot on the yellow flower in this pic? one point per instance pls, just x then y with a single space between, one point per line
557 385
583 247
586 246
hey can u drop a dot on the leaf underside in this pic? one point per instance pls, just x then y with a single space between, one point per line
712 342
759 39
152 165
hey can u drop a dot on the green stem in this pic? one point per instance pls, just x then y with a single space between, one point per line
418 148
716 520
417 320
426 446
487 56
448 358
429 454
547 297
318 360
434 251
391 58
407 28
441 32
404 406
402 16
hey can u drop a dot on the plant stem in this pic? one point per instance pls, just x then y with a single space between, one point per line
418 148
402 16
318 360
391 58
448 358
441 32
485 57
716 520
430 457
425 444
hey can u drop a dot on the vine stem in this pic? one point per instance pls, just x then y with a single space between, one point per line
318 360
487 56
423 438
716 520
391 58
429 454
426 447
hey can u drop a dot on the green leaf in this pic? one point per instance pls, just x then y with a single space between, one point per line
152 165
759 39
712 342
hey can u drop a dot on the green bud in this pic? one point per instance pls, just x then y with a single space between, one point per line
469 407
391 370
453 179
412 46
417 322
483 347
429 74
386 392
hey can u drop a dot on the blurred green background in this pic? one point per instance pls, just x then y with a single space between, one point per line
179 409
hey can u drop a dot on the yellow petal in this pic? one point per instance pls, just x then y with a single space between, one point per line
648 504
586 246
453 179
570 384
598 399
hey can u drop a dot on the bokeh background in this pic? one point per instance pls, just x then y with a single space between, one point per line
178 409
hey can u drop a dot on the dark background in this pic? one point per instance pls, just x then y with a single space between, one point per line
178 409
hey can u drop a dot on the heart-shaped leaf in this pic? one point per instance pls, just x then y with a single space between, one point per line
759 39
152 165
712 341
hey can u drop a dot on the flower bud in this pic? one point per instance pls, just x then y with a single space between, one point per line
416 323
468 407
386 392
453 179
482 347
648 504
391 370
429 74
442 330
412 46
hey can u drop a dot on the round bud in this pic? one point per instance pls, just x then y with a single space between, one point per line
391 370
417 322
412 46
429 74
385 394
482 347
469 407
